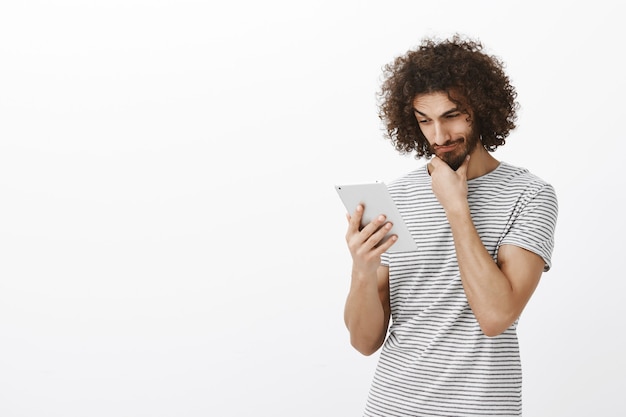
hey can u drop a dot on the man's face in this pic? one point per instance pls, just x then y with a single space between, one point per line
448 131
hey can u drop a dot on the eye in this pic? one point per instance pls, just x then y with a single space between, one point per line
453 115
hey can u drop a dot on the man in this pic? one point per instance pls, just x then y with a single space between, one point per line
485 234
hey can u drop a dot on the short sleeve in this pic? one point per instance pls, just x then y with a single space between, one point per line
534 225
384 259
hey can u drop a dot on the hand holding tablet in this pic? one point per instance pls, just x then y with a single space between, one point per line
376 200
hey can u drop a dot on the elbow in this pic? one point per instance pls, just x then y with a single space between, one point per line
365 348
365 351
492 331
495 326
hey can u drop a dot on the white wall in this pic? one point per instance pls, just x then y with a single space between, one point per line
170 240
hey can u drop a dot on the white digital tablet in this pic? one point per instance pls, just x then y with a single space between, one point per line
376 199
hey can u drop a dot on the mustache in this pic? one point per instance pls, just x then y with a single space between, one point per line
448 143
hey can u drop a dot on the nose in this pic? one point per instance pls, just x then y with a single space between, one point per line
441 134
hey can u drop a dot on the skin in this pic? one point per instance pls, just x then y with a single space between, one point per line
496 292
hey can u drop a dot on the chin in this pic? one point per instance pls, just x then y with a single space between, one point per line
454 161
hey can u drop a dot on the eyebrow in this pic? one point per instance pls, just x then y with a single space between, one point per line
453 110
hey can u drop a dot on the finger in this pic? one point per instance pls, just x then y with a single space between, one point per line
376 245
374 227
435 161
370 235
384 247
378 236
433 164
355 220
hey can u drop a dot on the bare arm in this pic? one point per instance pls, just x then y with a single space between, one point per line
367 309
497 293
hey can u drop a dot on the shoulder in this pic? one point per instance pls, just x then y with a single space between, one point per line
521 180
517 173
411 188
536 203
411 180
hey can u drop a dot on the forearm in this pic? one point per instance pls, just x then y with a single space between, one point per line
364 314
487 288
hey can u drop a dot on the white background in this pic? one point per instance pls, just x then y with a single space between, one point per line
171 243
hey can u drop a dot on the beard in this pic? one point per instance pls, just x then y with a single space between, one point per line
456 157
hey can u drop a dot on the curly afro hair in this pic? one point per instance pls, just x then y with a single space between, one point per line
472 79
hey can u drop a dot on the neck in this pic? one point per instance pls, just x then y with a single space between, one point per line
481 162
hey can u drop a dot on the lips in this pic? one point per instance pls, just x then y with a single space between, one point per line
448 146
444 149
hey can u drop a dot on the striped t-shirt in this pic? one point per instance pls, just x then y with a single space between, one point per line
436 361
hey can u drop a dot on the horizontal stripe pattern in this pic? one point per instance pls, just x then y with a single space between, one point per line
436 361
